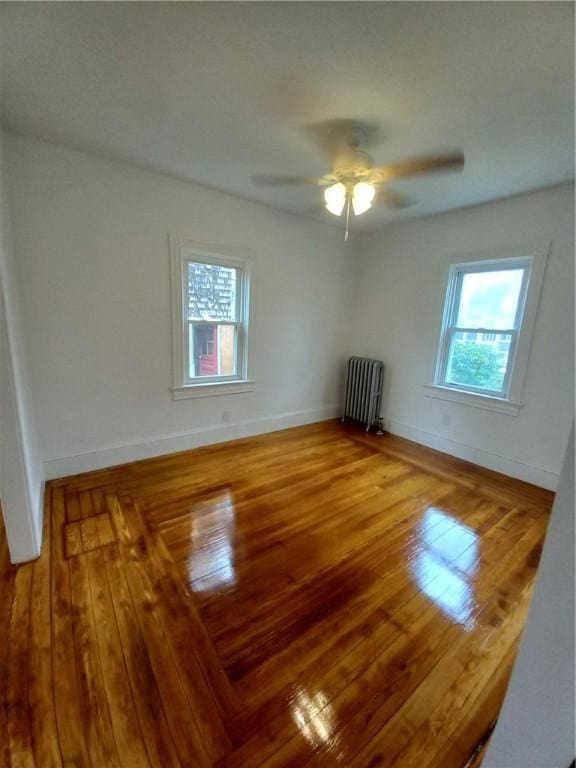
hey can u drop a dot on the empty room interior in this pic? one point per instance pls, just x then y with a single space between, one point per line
287 384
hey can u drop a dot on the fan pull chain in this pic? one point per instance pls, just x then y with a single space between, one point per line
347 217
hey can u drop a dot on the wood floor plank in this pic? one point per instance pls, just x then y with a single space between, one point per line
98 501
180 607
123 716
199 664
154 726
89 534
94 704
19 724
85 500
383 599
366 703
371 642
458 745
73 512
40 695
104 530
179 713
433 708
72 539
310 597
71 737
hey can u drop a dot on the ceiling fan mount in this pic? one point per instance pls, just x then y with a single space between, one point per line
351 164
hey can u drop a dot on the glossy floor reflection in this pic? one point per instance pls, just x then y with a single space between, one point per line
344 571
212 533
446 563
313 716
314 597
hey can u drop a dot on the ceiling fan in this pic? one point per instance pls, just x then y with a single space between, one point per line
354 182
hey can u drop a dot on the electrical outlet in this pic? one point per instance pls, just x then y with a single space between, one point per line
446 419
226 415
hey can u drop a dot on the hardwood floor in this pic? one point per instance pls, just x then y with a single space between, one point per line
311 597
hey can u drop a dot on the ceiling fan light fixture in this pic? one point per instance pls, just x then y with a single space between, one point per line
362 197
335 198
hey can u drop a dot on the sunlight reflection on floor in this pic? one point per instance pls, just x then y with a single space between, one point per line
212 534
442 540
313 716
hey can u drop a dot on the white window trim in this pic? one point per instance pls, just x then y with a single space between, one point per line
183 250
535 256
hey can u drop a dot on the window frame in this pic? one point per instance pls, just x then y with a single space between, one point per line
533 260
183 252
450 327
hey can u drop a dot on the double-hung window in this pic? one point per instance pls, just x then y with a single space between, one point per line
211 308
487 325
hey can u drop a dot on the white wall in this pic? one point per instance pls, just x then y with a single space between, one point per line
403 274
536 725
91 238
21 475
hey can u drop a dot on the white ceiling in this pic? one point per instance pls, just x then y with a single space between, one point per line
214 92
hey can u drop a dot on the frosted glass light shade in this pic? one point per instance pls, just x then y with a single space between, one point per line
335 198
362 197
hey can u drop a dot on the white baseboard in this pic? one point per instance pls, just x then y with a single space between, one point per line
535 475
112 455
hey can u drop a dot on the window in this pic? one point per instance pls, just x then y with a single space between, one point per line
488 319
211 300
482 326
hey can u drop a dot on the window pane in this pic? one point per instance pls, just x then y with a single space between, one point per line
477 361
212 350
489 299
212 292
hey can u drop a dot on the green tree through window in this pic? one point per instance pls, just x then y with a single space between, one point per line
477 365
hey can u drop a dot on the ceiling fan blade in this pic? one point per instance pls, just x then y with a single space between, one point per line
270 180
417 166
392 199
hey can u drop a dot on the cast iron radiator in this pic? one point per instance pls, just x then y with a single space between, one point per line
363 390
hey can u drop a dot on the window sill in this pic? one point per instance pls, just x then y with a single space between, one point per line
476 400
213 388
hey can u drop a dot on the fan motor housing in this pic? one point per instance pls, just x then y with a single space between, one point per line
352 164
